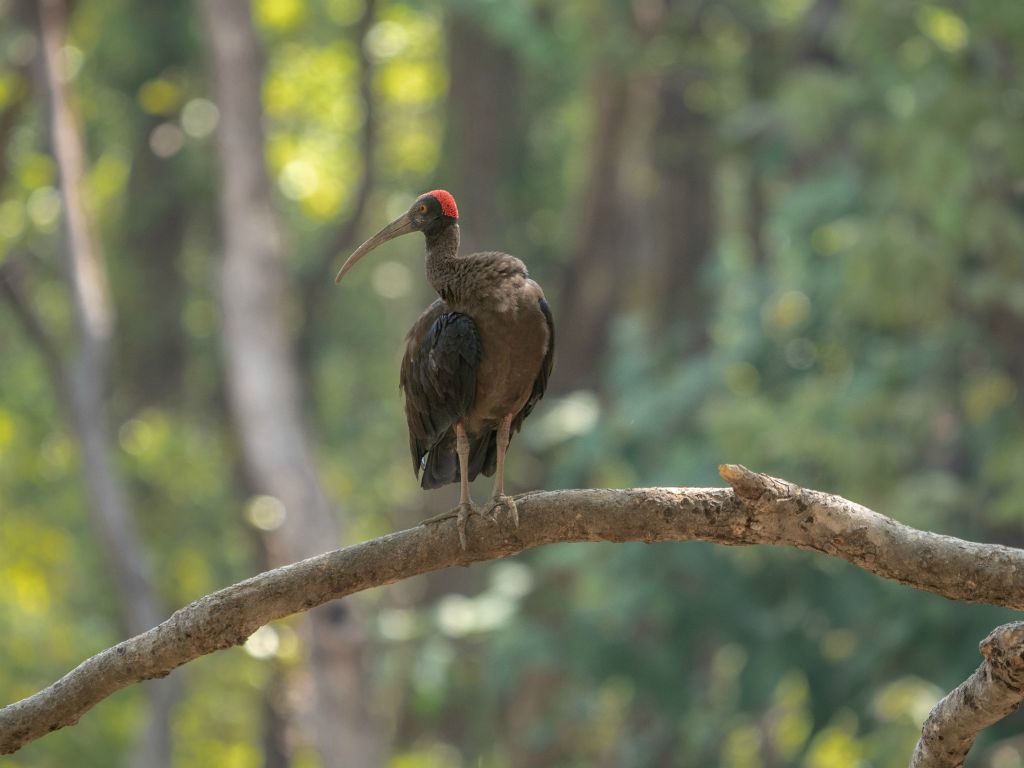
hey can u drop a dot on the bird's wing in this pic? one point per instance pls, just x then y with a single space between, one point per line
540 384
438 376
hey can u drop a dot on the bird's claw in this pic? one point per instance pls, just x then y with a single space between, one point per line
461 514
441 518
496 503
490 511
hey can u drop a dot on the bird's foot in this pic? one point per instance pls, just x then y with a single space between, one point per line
496 503
461 514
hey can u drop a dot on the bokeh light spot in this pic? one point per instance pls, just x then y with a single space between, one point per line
944 27
907 697
391 280
514 580
199 118
265 512
786 311
386 40
298 179
279 15
159 97
70 62
263 643
166 140
43 208
397 624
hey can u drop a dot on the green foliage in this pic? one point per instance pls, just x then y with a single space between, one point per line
863 337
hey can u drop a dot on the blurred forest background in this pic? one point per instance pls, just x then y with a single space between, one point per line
787 233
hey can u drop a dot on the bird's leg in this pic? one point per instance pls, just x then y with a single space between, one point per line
498 497
466 507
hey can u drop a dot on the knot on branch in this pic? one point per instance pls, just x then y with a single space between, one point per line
1004 651
754 486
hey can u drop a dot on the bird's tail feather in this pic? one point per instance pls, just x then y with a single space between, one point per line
441 464
442 461
483 454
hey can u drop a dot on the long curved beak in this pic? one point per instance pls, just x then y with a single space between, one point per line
401 226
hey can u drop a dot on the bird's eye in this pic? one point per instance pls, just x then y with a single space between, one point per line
423 207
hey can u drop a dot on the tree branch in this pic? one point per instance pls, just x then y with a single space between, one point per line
758 510
994 691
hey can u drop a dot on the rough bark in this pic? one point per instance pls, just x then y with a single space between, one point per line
994 691
263 383
83 392
757 510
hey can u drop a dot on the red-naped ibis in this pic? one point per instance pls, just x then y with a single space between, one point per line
476 361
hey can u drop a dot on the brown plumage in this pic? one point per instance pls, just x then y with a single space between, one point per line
476 361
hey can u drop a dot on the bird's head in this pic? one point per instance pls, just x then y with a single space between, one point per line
430 212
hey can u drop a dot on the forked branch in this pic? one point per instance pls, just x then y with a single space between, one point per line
758 509
994 691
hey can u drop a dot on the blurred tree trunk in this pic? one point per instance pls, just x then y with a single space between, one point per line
591 286
147 278
682 153
84 391
151 287
275 720
263 384
484 140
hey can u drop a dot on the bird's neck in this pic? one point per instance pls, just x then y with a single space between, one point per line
442 259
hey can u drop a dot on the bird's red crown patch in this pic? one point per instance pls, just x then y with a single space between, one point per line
448 206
